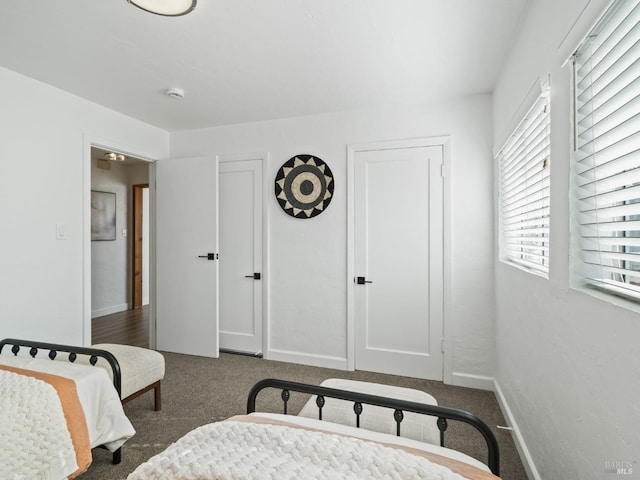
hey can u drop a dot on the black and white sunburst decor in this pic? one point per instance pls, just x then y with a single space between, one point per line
304 186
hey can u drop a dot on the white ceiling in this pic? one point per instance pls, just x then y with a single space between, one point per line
249 60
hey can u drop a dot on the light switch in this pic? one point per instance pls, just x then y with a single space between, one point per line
124 232
62 231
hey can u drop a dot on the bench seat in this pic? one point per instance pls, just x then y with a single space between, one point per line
378 419
142 370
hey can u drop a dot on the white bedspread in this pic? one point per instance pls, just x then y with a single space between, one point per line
379 437
106 422
25 452
241 450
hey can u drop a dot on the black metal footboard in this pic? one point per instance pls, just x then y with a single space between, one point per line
73 351
398 407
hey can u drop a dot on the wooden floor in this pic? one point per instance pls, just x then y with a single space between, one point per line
130 327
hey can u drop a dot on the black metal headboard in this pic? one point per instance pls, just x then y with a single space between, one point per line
73 351
398 406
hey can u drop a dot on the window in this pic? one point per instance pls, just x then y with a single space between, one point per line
606 167
524 190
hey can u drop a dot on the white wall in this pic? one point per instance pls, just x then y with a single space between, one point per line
308 257
567 362
111 268
42 173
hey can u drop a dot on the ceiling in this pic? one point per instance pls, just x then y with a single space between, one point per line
250 60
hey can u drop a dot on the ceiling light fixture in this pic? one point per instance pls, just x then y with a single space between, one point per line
114 156
168 8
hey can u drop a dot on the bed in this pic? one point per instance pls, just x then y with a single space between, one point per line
55 411
283 446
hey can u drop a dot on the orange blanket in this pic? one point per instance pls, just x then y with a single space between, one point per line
73 413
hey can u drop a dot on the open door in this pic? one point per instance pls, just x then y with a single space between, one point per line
186 256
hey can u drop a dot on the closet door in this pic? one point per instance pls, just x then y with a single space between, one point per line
241 270
398 254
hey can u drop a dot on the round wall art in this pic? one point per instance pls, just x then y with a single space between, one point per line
304 186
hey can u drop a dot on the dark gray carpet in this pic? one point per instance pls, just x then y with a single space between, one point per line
199 390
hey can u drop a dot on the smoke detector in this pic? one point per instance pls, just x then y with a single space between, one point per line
177 93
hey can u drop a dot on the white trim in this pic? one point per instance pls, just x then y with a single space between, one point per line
89 141
447 332
266 250
152 257
242 156
469 380
302 358
590 15
351 313
534 92
518 440
123 307
266 183
86 241
441 141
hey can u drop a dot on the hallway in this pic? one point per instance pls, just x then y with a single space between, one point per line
130 327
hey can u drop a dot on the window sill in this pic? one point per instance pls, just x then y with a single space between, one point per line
525 269
609 298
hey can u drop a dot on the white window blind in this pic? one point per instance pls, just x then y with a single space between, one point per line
607 158
524 190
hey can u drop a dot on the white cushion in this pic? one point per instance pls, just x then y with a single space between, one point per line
139 367
378 419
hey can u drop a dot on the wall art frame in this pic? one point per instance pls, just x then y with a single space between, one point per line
103 216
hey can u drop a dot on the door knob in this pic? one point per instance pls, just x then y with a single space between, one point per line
255 276
209 256
362 281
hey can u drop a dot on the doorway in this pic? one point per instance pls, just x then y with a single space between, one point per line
397 258
113 257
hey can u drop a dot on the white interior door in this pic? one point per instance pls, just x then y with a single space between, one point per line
241 271
186 229
398 255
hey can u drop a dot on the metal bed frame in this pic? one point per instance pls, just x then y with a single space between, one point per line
53 348
398 407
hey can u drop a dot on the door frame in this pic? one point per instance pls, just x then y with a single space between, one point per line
352 149
266 187
89 141
137 218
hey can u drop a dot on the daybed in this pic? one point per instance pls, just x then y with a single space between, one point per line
259 446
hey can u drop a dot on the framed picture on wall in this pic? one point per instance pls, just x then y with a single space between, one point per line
103 215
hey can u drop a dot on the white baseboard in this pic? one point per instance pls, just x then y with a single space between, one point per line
307 359
472 381
109 310
523 451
